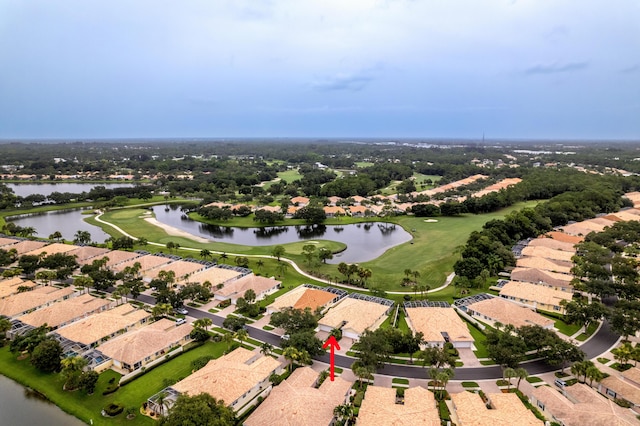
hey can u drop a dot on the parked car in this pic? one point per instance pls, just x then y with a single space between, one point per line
182 310
181 321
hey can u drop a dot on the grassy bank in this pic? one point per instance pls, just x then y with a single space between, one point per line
432 252
88 407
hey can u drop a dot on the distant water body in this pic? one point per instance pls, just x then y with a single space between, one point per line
20 406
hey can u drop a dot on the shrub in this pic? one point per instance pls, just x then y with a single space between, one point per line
111 388
113 409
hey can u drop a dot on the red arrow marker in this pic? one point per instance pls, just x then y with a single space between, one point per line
332 343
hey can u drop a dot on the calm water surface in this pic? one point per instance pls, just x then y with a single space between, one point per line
24 189
68 222
365 241
21 407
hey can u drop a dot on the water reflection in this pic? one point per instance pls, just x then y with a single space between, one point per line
365 241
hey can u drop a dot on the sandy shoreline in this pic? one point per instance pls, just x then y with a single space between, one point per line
175 231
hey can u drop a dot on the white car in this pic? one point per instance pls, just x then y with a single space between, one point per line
182 310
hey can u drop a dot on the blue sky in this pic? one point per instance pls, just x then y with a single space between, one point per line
332 68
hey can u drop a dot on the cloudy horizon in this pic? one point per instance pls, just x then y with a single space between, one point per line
285 68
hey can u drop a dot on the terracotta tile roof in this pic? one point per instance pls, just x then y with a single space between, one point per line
230 376
633 196
545 264
238 287
98 326
295 402
585 227
501 310
53 248
138 344
534 293
6 241
358 315
300 200
273 209
471 410
548 253
379 408
357 209
119 256
214 275
552 244
632 374
585 408
333 210
180 267
303 297
23 302
65 311
146 262
613 218
432 322
10 286
538 276
624 389
87 253
26 246
334 200
565 238
627 215
505 183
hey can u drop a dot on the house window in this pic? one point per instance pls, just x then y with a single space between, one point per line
611 393
541 405
556 308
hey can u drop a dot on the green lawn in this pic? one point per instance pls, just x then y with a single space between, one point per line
289 176
436 243
479 339
88 407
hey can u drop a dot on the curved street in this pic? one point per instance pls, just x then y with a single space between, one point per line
599 343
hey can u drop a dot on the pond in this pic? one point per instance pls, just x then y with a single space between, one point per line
20 406
365 241
68 222
24 189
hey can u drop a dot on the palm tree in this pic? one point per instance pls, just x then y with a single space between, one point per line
203 323
509 373
266 349
242 335
443 378
57 236
83 281
343 412
72 369
228 339
292 354
416 275
205 254
623 353
259 264
162 401
592 374
282 268
82 237
521 373
27 231
362 372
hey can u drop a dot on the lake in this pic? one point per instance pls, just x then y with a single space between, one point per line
20 406
365 241
68 222
24 189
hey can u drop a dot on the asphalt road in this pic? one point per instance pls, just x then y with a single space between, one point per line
599 343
